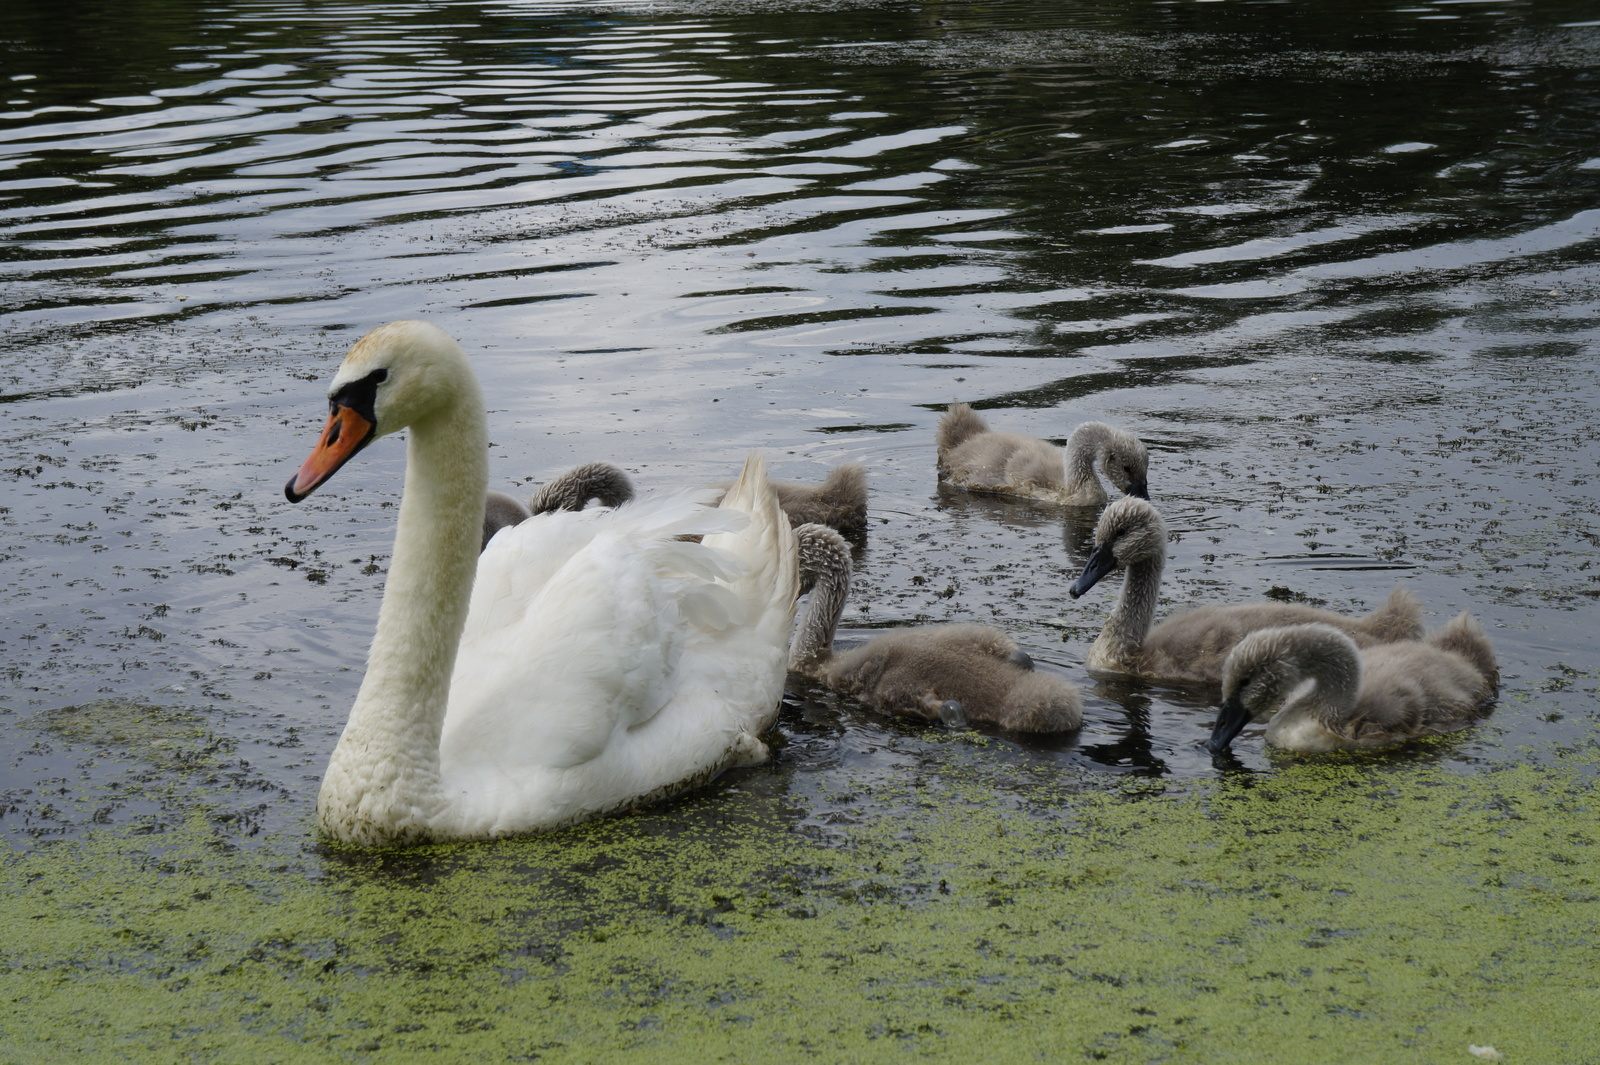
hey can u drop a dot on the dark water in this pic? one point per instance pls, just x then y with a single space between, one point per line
1336 263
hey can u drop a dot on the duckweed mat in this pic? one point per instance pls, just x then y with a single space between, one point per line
1345 910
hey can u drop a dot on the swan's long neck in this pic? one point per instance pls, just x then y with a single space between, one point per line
826 563
383 781
1119 643
1086 444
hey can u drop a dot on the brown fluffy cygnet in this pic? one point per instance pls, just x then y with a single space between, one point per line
1192 647
839 502
959 674
1317 691
973 457
572 490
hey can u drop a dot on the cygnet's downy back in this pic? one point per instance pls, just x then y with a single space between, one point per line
839 502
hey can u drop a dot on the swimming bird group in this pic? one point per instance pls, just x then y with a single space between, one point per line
539 663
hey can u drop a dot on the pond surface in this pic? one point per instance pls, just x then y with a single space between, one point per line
1335 263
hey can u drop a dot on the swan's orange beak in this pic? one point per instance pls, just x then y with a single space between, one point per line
346 433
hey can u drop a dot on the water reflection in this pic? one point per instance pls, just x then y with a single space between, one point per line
1335 264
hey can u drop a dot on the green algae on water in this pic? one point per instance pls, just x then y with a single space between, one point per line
1329 912
168 737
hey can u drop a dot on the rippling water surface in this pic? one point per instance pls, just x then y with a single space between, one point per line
1335 263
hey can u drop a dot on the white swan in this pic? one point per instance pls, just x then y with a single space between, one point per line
597 661
973 457
959 674
1355 698
1192 646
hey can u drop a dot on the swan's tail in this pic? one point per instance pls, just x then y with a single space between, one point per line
846 487
959 424
1043 702
1399 618
1465 637
766 545
768 587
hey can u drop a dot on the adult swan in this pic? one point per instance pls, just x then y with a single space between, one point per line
596 661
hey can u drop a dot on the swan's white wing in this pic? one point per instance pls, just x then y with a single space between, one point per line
558 657
519 561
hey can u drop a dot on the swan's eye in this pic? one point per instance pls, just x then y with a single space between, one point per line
360 396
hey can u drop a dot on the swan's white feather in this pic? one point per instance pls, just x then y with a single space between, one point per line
521 559
583 611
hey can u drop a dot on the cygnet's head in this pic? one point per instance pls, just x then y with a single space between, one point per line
500 511
1126 463
1130 531
397 375
1267 670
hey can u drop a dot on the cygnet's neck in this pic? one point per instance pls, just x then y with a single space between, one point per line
1087 443
1332 667
828 563
1120 641
383 782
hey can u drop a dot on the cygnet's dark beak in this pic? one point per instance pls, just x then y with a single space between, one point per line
1019 657
1232 717
1140 489
1101 562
